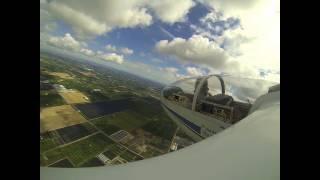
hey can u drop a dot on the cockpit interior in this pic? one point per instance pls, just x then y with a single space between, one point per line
223 98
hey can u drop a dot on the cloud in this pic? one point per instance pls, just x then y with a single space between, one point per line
87 52
193 71
197 49
171 11
171 73
65 42
96 17
109 47
112 57
122 50
260 23
174 73
126 51
171 69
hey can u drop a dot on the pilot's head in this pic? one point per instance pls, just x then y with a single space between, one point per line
204 89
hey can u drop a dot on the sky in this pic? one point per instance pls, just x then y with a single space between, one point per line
168 40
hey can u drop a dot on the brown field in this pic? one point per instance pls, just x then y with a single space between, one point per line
57 117
89 74
72 97
61 75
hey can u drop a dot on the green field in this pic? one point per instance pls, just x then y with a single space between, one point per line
47 144
104 125
150 153
52 156
92 163
49 141
129 156
48 99
161 128
80 151
127 120
65 163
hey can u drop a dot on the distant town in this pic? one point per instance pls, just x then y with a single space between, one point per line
98 116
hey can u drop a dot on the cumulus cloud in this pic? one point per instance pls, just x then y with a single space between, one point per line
109 47
170 69
228 47
197 49
96 17
171 11
112 57
122 50
65 42
87 52
260 22
172 73
193 71
126 51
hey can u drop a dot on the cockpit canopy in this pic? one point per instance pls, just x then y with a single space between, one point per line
227 98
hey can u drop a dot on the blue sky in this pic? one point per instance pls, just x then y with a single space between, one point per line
167 40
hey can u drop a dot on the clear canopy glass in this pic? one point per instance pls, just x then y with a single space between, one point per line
227 98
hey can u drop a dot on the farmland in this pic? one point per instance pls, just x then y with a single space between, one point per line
94 110
56 117
49 99
80 151
127 120
82 104
72 133
73 96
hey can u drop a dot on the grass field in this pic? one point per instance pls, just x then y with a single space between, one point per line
127 120
129 156
61 75
92 163
65 163
78 152
57 117
73 97
81 151
48 99
105 126
72 133
98 109
47 144
51 157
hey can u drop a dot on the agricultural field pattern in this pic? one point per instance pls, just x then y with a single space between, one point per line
98 116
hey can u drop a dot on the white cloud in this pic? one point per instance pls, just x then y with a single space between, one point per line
171 69
112 57
260 22
65 42
212 16
193 71
126 51
96 17
109 47
197 49
171 11
122 50
172 73
87 52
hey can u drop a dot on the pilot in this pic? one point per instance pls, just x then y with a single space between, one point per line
204 90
